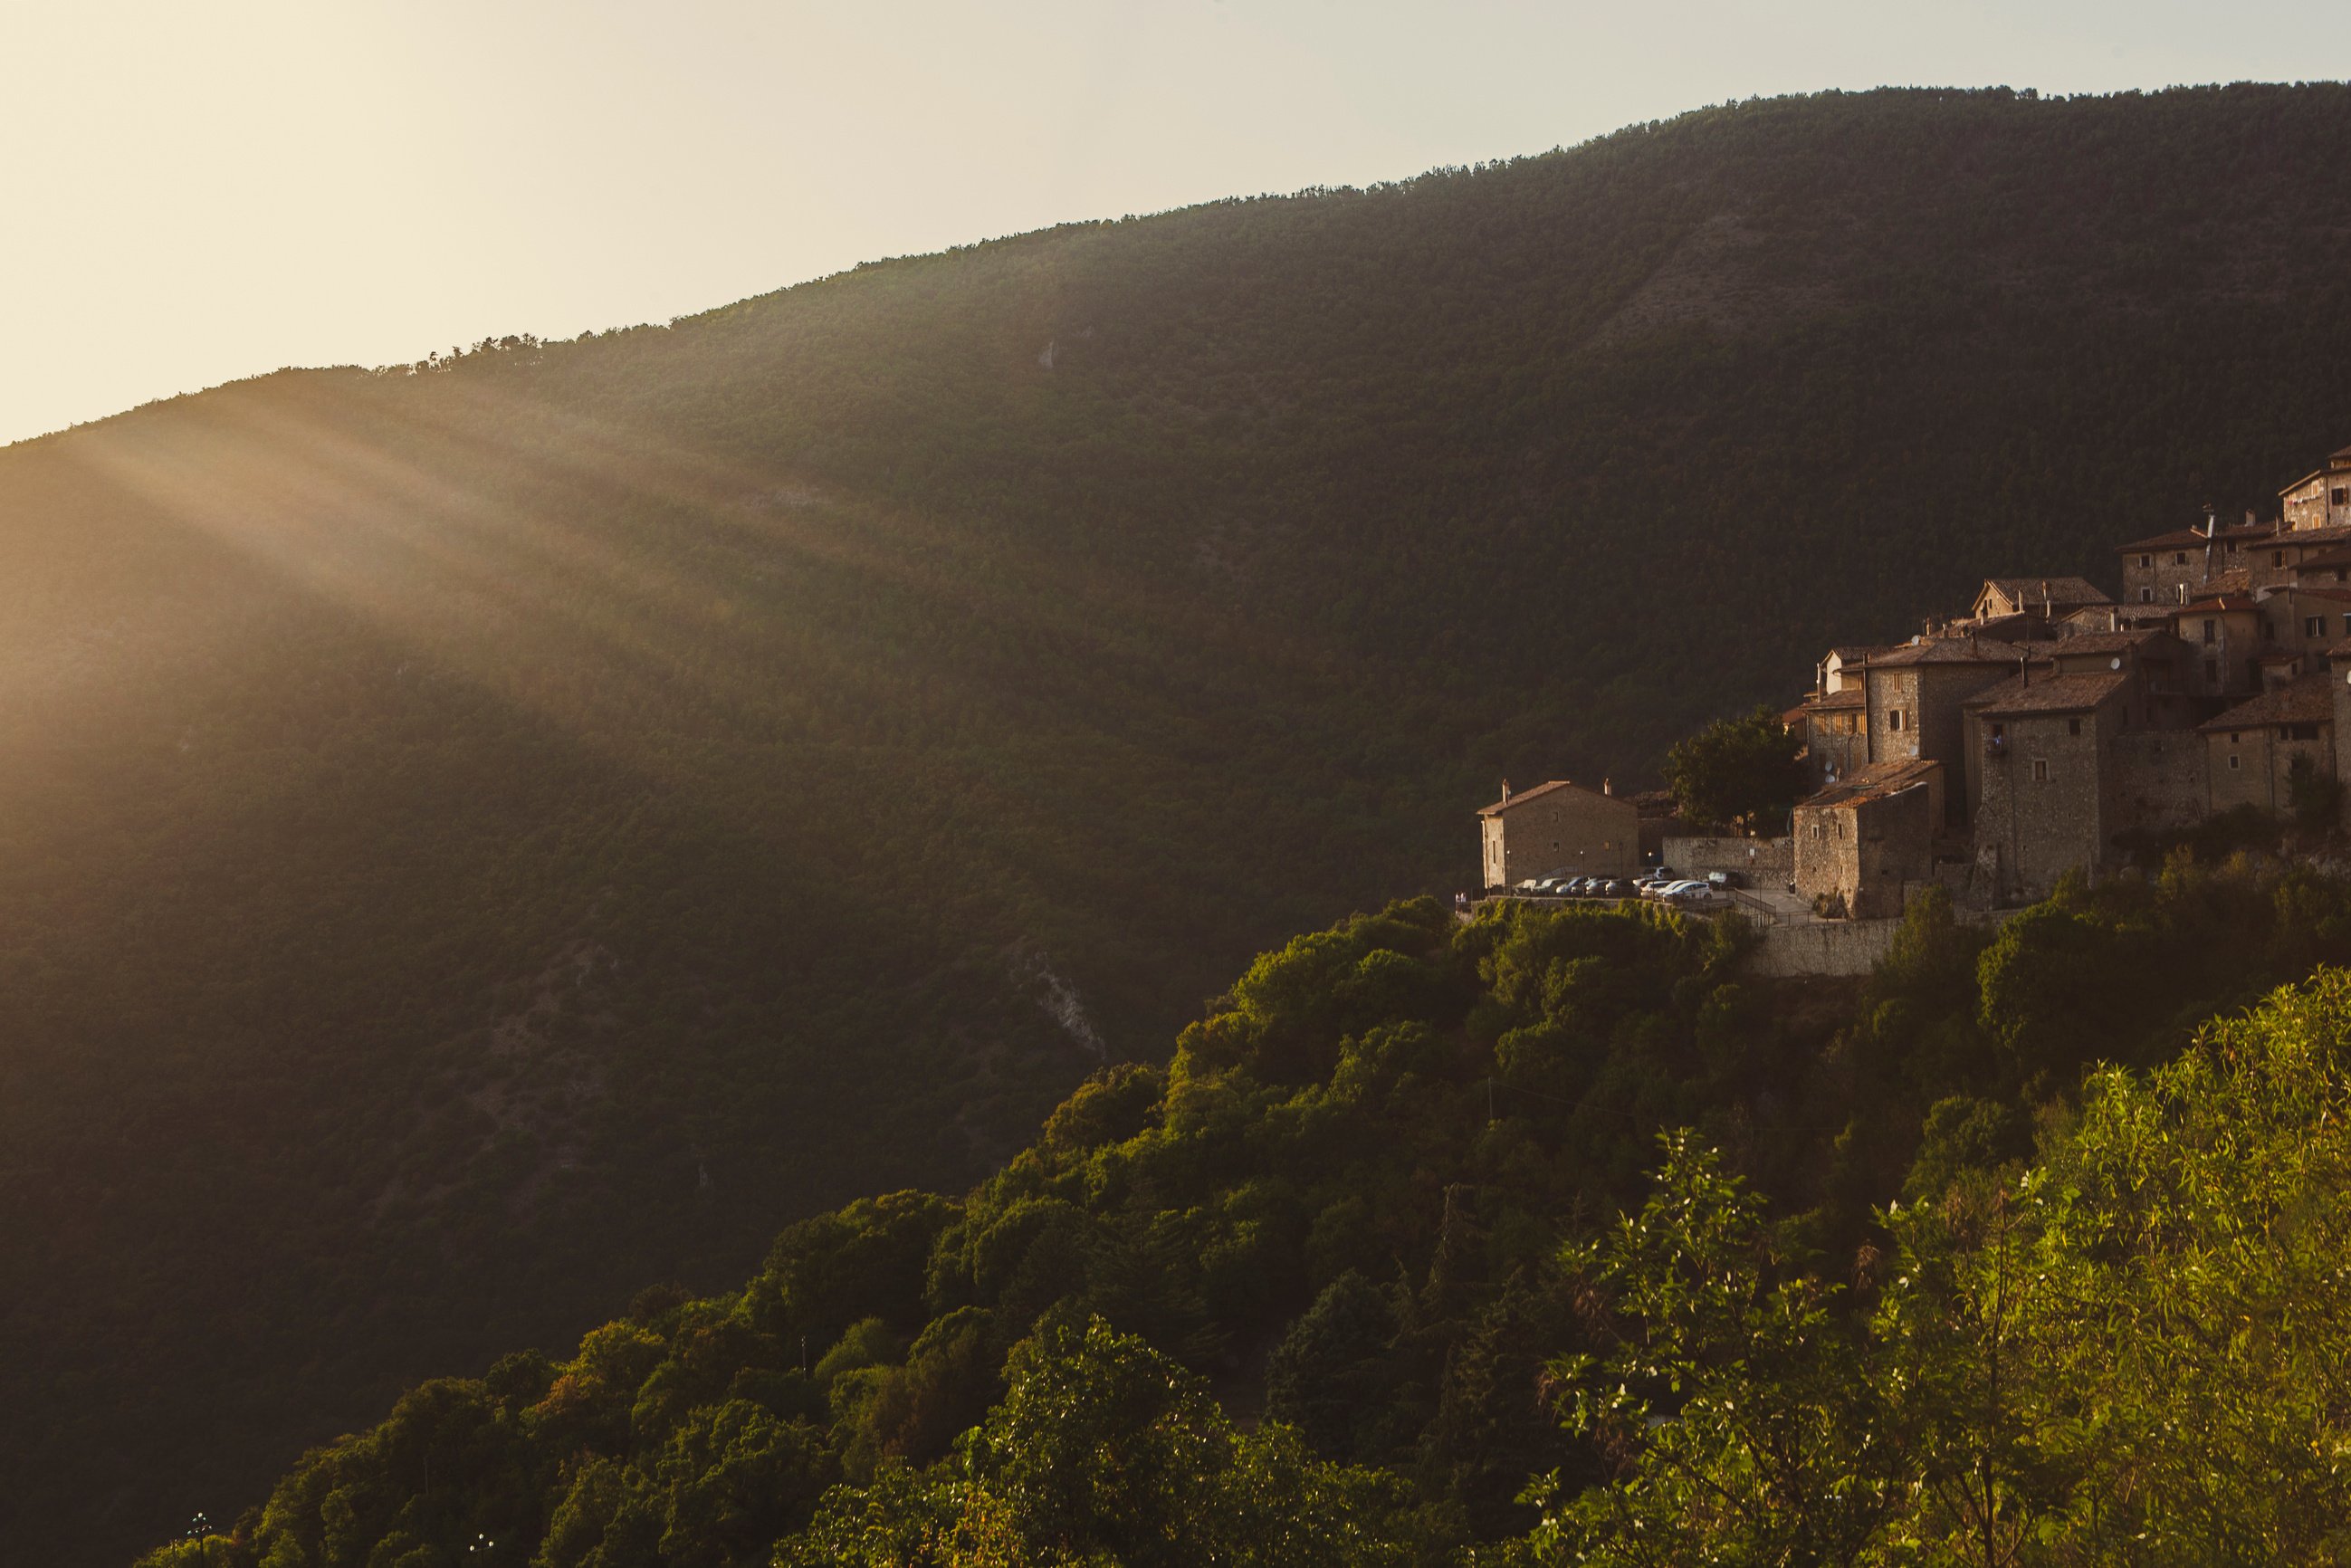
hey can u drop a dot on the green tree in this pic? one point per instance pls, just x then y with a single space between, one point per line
1737 772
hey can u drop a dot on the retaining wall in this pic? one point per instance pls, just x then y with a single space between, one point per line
1770 861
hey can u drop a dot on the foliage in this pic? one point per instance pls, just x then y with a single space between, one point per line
1345 1195
1738 772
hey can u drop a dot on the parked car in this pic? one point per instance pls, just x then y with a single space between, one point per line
1616 887
1656 876
1726 880
1577 886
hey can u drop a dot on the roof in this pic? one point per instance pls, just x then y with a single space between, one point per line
2336 460
2024 695
2194 538
2306 538
2331 595
2102 642
1849 697
1875 782
1951 651
2225 603
2057 590
2310 700
2325 558
1861 650
1521 797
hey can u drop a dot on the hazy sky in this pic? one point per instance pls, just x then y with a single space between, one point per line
198 190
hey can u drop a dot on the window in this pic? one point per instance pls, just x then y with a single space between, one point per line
2212 633
2073 727
2346 623
2179 557
2302 732
2277 557
2147 561
2040 770
2313 626
2340 496
2232 759
1894 718
2212 672
2146 596
2341 575
2230 547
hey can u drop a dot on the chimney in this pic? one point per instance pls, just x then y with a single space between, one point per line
2211 521
2024 669
1608 786
1506 792
1821 679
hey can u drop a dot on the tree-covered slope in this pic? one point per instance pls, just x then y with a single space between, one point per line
478 839
1303 1297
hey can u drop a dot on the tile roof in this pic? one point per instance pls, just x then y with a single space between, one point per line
1849 697
1521 797
2057 590
2307 538
2226 602
2325 558
2048 694
1951 651
2309 700
2182 539
1876 781
2137 638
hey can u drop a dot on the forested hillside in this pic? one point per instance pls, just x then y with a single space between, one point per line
1348 1283
484 836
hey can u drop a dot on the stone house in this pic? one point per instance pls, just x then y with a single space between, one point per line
1916 696
2314 614
2048 798
2319 499
1559 827
2224 637
2044 598
1862 837
2251 749
2189 564
1835 728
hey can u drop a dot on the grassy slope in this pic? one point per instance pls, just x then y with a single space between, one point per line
478 842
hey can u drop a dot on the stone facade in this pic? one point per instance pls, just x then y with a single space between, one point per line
2047 796
1765 863
2251 750
1859 841
2321 500
1559 827
1916 697
1835 727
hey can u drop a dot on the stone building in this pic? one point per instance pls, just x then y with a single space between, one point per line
1835 728
2048 798
1916 696
1858 841
2320 499
1559 827
2187 564
2046 599
2224 639
2251 750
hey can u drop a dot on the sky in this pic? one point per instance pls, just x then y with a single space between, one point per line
199 189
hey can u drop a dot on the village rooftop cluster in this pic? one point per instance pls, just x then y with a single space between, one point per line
2050 729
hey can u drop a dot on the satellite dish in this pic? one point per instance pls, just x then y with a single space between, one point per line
2115 662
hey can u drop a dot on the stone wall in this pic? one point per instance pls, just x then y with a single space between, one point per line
2157 780
1821 947
1768 863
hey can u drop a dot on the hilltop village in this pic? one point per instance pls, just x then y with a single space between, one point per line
2050 729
